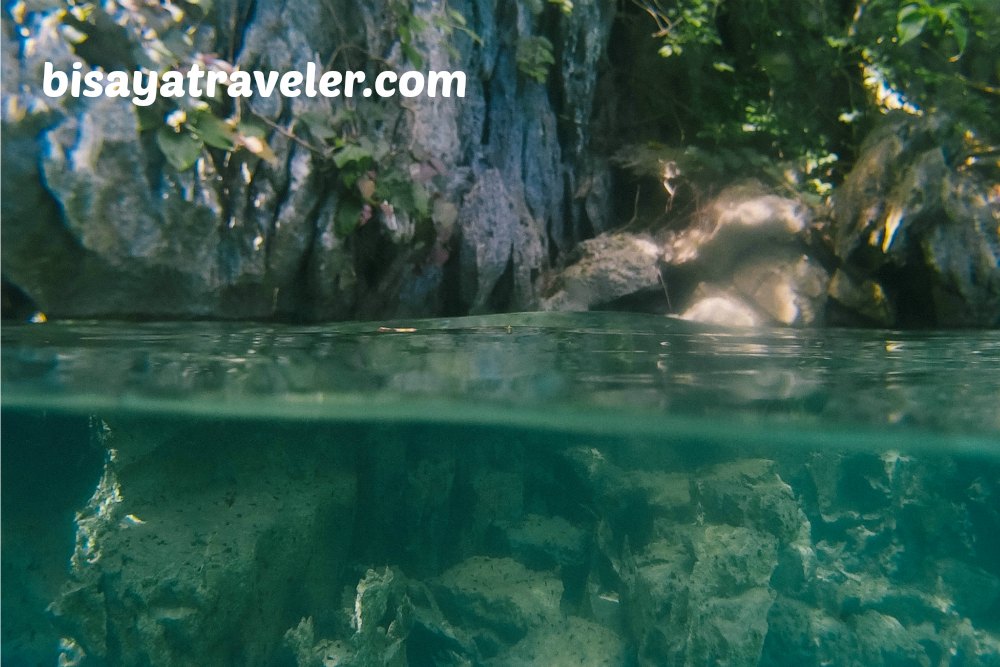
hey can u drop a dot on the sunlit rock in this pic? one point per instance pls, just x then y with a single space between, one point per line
723 310
865 298
743 221
609 267
924 228
789 287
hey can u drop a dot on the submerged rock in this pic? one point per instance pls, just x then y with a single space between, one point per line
224 544
497 600
541 541
574 641
703 593
183 558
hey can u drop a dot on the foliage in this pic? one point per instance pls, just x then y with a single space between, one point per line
409 26
155 37
942 56
534 57
374 176
805 81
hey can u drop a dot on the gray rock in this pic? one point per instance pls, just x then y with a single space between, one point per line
497 601
106 228
571 642
905 213
552 541
497 241
611 266
191 555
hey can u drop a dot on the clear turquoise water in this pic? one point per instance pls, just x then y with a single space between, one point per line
517 489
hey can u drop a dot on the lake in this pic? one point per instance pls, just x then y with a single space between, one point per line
550 489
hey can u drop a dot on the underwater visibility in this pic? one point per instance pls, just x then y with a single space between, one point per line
533 489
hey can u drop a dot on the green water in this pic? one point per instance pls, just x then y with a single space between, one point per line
546 489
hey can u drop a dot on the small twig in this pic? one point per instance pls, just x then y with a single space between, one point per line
659 274
288 134
635 206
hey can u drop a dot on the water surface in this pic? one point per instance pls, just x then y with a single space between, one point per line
491 490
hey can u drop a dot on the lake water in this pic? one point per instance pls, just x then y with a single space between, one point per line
535 489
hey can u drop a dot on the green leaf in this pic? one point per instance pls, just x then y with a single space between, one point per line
180 148
351 153
413 56
421 200
910 23
348 217
961 33
149 118
213 130
252 127
319 125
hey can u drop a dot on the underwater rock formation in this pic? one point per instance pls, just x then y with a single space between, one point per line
185 556
285 546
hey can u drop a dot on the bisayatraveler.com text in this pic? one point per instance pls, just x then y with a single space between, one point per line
145 87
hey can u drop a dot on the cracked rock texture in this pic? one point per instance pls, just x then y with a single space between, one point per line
96 224
365 545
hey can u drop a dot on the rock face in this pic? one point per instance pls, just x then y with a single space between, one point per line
97 224
918 235
160 556
912 238
284 544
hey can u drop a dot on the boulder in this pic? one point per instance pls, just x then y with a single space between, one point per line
497 601
922 226
574 641
609 267
703 593
718 307
187 555
744 255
